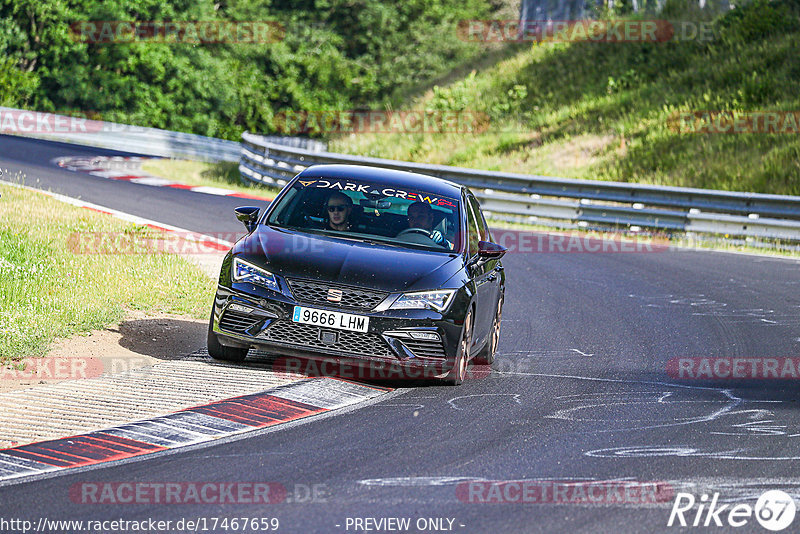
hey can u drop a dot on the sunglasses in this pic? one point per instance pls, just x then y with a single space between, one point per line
337 207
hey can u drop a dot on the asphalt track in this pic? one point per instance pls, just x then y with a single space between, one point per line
580 392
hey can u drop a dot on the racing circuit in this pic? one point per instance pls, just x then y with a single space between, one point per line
584 390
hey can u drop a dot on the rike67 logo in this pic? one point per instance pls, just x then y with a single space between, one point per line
774 510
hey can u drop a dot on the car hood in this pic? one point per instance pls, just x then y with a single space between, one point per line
326 258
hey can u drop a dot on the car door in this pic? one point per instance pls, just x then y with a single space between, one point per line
495 266
482 273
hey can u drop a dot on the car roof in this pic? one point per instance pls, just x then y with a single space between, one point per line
400 179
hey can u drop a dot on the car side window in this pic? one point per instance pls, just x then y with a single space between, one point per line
474 234
483 229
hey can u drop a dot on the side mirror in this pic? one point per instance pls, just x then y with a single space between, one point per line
490 251
248 215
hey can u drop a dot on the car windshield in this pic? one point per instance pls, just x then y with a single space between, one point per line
370 212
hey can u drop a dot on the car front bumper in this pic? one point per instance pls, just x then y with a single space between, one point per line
387 349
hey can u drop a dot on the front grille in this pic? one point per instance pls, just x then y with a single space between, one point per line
236 321
310 292
425 349
304 335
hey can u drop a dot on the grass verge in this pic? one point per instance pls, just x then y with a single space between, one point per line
47 291
607 110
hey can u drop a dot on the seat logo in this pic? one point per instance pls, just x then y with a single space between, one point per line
334 295
328 337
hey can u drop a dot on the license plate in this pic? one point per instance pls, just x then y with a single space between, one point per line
330 319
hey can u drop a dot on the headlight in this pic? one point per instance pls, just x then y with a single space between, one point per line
420 300
247 272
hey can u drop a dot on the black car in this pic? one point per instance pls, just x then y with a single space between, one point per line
368 266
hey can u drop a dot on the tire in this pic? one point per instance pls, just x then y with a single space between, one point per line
219 351
486 355
456 376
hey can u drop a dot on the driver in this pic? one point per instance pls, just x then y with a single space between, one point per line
339 207
420 215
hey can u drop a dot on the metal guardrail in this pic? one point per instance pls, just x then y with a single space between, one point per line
124 137
583 203
529 198
298 142
128 138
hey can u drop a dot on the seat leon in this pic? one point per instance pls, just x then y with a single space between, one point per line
372 268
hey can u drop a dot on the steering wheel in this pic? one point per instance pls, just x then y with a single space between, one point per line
408 231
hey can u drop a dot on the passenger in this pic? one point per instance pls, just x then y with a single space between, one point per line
339 207
420 215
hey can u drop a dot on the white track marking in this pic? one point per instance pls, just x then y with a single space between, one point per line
212 190
452 401
150 180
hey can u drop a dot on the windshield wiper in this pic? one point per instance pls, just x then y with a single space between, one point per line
374 240
381 242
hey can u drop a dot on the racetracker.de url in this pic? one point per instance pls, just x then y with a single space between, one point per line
195 524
